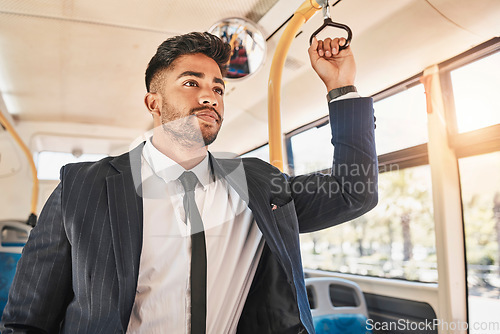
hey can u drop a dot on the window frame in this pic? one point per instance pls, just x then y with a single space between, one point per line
480 141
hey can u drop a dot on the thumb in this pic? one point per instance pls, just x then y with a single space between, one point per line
313 49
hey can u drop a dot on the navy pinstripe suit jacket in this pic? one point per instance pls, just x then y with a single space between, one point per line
79 269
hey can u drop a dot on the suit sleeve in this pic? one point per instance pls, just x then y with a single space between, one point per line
350 190
41 289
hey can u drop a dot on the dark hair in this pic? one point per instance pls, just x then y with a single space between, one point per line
195 42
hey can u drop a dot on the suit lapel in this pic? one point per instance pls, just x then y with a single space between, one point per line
251 184
126 218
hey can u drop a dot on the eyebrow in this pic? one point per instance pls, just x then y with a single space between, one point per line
200 75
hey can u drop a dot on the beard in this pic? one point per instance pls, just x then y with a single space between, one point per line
186 129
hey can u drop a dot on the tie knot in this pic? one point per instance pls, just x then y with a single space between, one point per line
189 181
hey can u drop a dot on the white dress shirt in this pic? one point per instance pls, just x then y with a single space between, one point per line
234 245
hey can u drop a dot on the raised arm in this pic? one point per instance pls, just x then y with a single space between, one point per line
351 189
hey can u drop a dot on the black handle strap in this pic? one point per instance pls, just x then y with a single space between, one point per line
329 23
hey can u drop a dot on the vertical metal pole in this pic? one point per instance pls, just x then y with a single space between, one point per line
302 14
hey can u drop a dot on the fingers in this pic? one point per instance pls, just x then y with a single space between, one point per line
329 47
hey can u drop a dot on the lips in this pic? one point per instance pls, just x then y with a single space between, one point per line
208 116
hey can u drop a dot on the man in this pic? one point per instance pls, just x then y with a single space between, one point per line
117 246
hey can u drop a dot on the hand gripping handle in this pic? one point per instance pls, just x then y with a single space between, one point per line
329 23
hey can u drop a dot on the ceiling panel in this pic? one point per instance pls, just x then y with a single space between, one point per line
170 16
83 61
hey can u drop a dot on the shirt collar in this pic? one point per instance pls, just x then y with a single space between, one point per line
169 170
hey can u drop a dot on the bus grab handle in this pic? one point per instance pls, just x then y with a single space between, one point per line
329 23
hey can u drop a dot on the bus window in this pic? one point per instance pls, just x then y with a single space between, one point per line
480 182
394 240
50 163
401 120
309 158
260 152
475 136
475 89
401 123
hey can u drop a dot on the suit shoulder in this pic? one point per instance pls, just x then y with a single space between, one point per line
85 166
261 168
79 169
258 163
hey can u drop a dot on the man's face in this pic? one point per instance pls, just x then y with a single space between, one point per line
192 107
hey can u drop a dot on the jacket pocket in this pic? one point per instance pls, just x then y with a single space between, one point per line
286 218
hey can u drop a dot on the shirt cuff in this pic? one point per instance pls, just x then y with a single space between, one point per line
351 95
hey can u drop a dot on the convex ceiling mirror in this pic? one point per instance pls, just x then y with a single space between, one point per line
248 46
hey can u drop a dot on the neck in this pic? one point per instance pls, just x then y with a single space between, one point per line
188 156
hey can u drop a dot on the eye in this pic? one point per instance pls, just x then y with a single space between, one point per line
191 83
219 91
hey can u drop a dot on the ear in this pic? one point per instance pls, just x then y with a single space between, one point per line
153 102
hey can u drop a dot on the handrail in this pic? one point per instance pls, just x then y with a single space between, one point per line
34 193
301 15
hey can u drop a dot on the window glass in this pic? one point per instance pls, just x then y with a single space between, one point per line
312 150
401 120
394 240
261 153
50 163
480 183
475 89
401 123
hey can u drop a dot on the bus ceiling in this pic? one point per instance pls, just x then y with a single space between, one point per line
83 85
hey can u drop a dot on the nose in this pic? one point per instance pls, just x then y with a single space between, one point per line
207 97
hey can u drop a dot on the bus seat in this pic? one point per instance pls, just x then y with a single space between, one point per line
13 237
328 318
